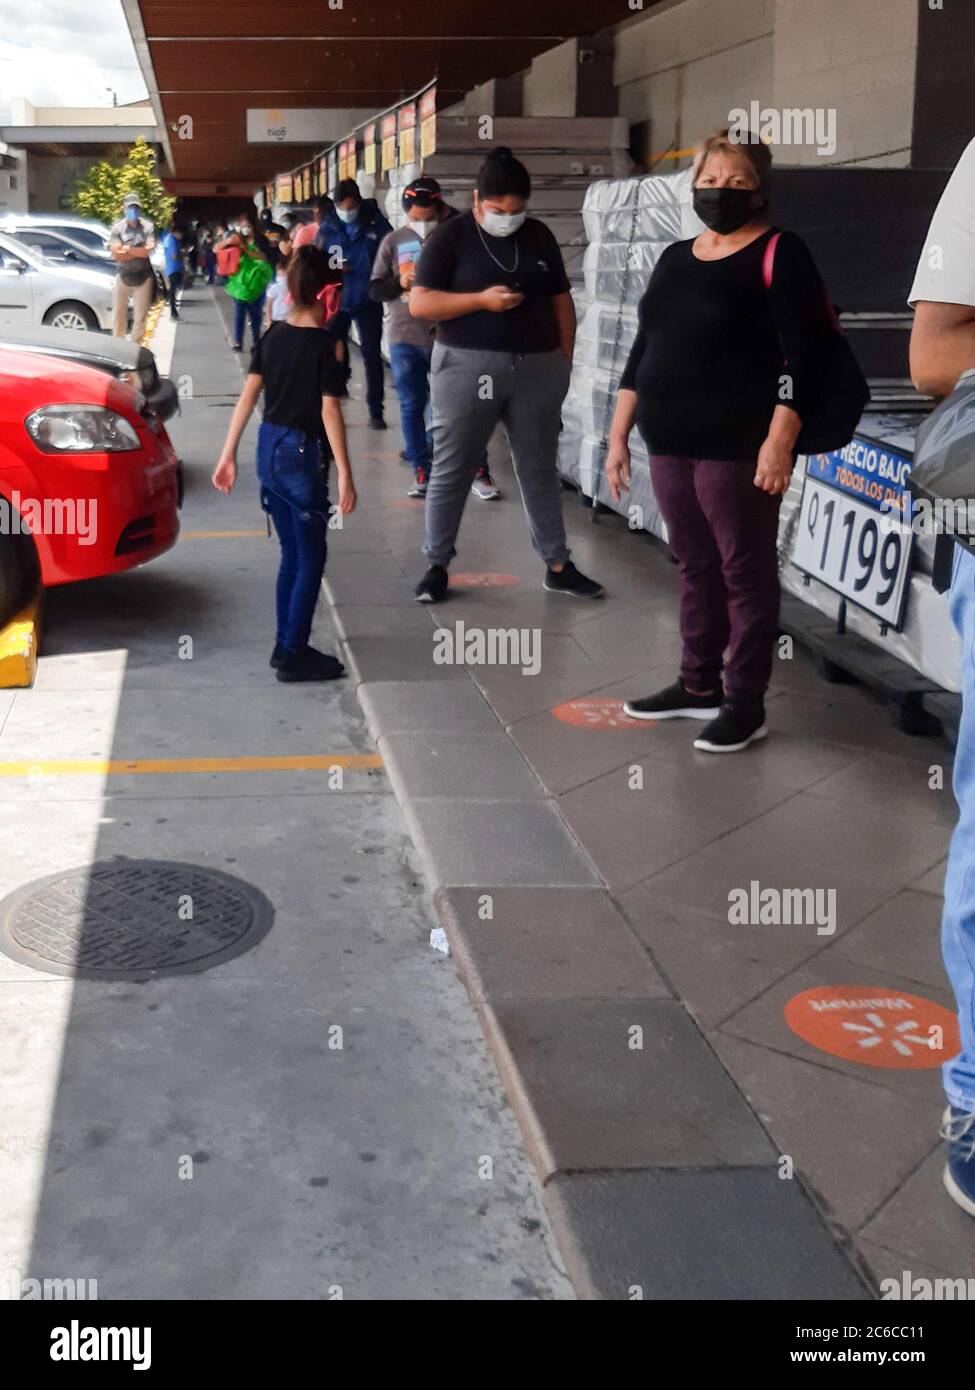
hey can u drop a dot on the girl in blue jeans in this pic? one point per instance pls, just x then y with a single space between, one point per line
298 367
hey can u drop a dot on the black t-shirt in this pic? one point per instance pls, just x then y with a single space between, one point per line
299 367
713 345
463 259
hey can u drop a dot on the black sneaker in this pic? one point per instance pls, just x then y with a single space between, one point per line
310 665
732 731
376 422
278 657
570 581
432 588
676 702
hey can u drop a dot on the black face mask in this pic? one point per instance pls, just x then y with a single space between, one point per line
724 210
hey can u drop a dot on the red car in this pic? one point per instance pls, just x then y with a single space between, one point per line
89 482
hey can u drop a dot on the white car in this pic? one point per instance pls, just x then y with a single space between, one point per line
33 292
87 232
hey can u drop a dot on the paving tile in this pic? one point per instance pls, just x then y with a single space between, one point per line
903 936
545 944
933 881
736 1234
900 1268
848 715
479 767
358 535
921 1222
402 707
565 755
517 697
703 880
344 563
881 780
587 1099
851 1142
898 849
404 659
370 588
763 1022
714 967
525 842
380 620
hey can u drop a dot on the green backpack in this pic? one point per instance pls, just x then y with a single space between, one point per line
251 280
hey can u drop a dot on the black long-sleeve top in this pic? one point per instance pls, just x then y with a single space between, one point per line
716 352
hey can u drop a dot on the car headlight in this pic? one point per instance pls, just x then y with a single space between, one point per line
80 429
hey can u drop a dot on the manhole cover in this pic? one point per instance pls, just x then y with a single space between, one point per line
132 919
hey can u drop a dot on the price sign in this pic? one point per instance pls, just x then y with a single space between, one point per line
856 550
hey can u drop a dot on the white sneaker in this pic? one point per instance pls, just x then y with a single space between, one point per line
483 487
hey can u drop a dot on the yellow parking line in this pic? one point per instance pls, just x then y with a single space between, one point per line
70 767
218 535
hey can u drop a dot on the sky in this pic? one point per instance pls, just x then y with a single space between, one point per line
66 53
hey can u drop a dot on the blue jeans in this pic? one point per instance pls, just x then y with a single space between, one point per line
294 492
253 312
958 923
368 320
410 366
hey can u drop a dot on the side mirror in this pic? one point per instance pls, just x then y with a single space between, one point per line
70 255
9 262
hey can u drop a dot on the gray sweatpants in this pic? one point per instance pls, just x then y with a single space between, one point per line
471 391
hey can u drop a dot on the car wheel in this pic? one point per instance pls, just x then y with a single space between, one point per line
11 577
70 314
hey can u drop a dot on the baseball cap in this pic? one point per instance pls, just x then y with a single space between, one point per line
131 200
422 193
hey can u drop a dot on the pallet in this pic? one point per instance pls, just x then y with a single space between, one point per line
916 705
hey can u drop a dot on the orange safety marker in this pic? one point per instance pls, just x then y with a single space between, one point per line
875 1026
483 579
598 712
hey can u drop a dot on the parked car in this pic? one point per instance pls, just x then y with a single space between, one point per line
34 292
127 362
89 482
61 249
92 235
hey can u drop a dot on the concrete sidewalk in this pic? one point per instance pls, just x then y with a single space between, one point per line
702 1123
387 1168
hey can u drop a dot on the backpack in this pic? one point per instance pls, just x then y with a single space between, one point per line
843 390
228 261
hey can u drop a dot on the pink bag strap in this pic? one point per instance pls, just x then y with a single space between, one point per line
768 261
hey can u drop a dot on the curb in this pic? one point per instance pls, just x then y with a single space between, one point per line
19 643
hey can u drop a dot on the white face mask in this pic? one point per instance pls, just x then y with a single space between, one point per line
502 223
422 229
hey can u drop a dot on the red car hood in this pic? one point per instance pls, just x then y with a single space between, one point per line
29 380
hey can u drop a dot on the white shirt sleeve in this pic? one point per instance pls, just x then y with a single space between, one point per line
946 271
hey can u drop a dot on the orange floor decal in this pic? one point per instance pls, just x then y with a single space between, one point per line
474 579
875 1026
598 712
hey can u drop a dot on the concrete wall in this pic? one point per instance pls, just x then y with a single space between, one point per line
51 180
550 82
682 66
859 59
23 112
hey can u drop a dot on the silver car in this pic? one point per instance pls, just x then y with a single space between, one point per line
34 292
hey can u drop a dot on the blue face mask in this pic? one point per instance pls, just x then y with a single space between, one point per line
348 214
131 214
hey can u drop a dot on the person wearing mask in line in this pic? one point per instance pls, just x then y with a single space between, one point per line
131 242
296 367
206 253
247 286
173 251
306 233
352 235
411 339
272 232
942 349
702 383
277 304
493 283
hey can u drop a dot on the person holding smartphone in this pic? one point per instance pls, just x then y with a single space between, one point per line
493 283
411 339
302 377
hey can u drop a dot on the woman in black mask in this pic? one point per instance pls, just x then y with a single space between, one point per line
717 381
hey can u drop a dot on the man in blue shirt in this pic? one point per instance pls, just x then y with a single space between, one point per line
174 267
352 235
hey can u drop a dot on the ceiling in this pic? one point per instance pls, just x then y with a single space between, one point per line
213 61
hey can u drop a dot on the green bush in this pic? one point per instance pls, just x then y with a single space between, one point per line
99 194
